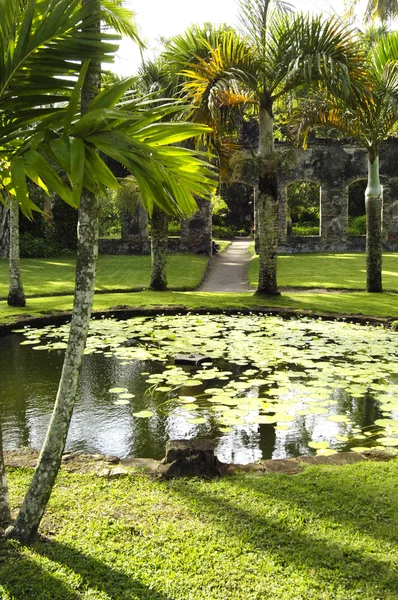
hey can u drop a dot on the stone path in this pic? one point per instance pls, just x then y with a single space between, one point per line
227 271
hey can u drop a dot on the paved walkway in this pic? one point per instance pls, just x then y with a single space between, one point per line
227 271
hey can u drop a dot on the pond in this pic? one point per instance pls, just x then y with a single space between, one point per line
265 388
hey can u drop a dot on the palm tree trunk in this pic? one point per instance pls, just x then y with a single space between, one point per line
4 231
16 295
5 513
267 207
38 494
159 242
373 204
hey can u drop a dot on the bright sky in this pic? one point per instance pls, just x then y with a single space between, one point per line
165 18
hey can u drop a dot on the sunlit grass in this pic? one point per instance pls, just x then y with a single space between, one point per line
328 271
43 276
326 533
372 305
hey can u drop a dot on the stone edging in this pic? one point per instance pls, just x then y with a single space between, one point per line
112 466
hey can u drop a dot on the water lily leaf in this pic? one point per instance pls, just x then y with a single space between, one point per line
326 452
197 420
360 449
339 418
190 406
117 390
388 441
126 395
318 445
121 402
143 414
186 399
193 383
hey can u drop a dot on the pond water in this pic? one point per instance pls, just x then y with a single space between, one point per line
269 388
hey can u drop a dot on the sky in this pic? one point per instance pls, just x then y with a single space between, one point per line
165 18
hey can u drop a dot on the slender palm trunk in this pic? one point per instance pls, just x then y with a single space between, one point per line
36 499
16 295
4 231
373 204
267 207
159 242
5 513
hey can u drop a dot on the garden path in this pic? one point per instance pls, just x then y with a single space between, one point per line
227 271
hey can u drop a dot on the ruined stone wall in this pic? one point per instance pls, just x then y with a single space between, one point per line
335 165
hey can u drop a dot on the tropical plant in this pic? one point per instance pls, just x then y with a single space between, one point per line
168 177
368 118
384 10
279 53
41 47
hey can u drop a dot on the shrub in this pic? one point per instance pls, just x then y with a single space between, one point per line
305 230
357 225
223 233
39 247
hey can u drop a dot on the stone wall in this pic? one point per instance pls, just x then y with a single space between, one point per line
196 234
335 166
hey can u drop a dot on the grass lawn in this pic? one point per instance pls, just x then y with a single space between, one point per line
372 305
328 271
47 276
328 533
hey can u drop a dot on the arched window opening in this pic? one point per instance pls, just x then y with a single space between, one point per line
356 207
303 199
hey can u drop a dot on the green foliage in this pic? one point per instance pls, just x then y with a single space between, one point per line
305 229
357 225
304 202
40 247
223 233
109 215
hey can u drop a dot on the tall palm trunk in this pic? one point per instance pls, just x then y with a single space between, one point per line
159 243
4 231
36 499
5 513
267 206
373 204
16 295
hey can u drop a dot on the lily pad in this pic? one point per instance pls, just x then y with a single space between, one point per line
143 414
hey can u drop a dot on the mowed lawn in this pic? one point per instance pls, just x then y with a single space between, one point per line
328 271
328 533
48 276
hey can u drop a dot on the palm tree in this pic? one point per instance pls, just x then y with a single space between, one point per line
168 177
40 50
384 10
368 119
279 53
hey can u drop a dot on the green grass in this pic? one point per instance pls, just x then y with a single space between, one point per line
328 271
55 276
372 305
327 533
48 276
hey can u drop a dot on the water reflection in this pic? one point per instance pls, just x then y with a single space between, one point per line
30 380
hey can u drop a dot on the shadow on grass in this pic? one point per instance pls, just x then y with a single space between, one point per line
300 534
30 578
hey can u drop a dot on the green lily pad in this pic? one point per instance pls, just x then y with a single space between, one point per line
143 414
117 390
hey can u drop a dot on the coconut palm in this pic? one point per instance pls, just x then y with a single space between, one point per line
279 53
368 119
